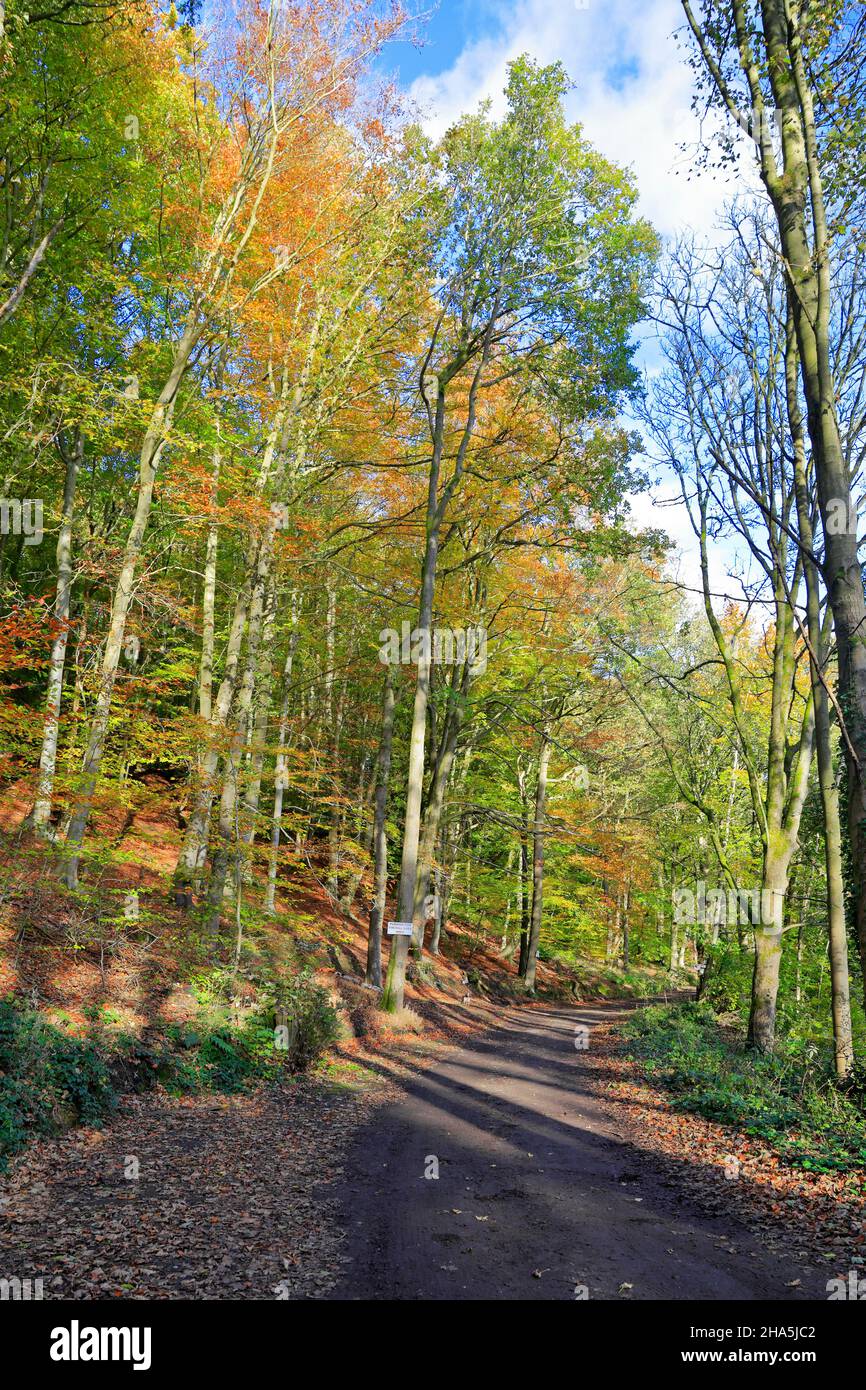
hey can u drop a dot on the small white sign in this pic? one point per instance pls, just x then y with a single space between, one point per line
399 928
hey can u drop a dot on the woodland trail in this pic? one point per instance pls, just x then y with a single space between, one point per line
539 1191
318 1190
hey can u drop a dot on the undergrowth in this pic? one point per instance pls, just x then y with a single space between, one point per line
46 1075
790 1099
52 1077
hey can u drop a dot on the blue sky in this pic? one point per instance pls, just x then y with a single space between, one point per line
450 28
455 25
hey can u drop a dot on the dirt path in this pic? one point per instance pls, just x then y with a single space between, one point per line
318 1190
539 1189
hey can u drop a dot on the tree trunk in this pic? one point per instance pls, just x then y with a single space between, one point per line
537 862
249 601
436 510
392 999
765 987
257 737
151 450
228 842
380 839
438 887
507 946
796 193
281 768
41 813
331 735
626 925
208 623
452 725
364 828
836 925
525 830
839 976
768 955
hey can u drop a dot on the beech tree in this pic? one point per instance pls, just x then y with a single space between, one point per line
535 244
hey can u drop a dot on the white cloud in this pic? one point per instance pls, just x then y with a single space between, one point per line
632 93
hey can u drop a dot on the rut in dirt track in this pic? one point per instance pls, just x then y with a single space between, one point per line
539 1189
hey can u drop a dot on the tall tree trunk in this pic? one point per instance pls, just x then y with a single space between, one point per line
451 849
626 924
838 935
257 737
839 976
438 503
441 772
768 957
364 829
208 623
796 193
248 602
525 899
281 768
151 451
537 861
614 933
778 805
41 813
392 999
506 947
190 861
380 837
331 734
228 841
438 889
248 609
674 944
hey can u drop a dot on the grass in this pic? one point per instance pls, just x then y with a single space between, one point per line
790 1099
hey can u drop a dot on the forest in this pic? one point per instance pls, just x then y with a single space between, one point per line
352 695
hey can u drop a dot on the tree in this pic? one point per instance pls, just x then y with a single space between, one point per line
521 206
791 73
299 71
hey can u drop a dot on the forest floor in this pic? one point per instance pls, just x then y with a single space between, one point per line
562 1174
206 1196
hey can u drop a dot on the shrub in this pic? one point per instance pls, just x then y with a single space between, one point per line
791 1098
224 1056
405 1020
50 1078
728 980
362 1006
47 1077
312 1019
